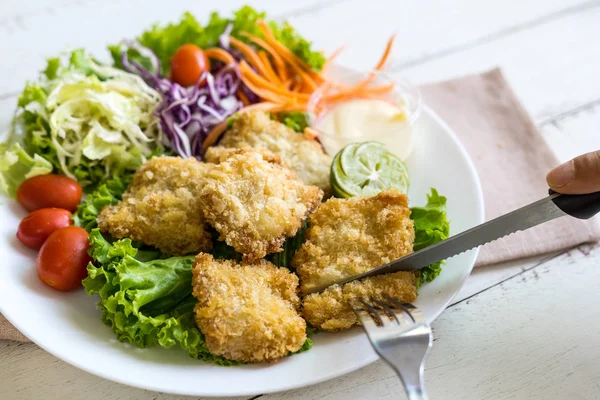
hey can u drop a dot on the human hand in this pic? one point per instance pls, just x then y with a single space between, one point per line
578 176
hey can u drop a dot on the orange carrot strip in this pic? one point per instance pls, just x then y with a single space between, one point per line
257 80
268 67
386 54
299 65
335 54
251 56
284 51
219 54
279 63
243 97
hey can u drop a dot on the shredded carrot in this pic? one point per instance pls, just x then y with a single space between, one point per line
284 82
219 54
335 54
279 63
243 97
250 75
269 68
386 54
284 51
251 57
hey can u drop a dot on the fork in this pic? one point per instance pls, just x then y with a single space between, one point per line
401 336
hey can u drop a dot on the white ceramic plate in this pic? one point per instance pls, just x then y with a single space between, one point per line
69 326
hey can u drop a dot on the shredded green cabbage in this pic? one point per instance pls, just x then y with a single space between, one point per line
89 120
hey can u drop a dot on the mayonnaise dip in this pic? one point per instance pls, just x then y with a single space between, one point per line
362 120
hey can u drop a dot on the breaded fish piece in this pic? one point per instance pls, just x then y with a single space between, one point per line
218 154
255 203
302 155
247 312
161 207
347 237
331 309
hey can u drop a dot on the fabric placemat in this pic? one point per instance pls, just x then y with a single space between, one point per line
512 160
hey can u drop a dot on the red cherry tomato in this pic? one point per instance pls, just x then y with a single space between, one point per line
63 258
48 191
35 228
187 64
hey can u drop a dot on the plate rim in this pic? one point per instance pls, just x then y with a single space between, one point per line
323 378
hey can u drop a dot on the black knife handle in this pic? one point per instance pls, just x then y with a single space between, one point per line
582 206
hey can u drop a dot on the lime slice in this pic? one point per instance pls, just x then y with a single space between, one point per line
365 169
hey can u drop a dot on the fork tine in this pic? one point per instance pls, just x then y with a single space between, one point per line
414 313
373 312
386 309
365 319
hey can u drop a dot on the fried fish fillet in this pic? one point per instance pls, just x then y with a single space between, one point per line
331 309
161 207
247 312
218 154
255 203
347 237
302 155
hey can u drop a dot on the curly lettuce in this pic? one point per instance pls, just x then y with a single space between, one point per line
146 302
431 226
106 194
145 297
165 40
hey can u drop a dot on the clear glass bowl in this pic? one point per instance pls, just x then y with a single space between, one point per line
403 94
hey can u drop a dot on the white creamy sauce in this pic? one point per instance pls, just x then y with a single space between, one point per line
363 120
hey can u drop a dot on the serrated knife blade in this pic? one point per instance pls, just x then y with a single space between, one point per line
544 210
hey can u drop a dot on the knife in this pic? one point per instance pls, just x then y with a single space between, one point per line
556 205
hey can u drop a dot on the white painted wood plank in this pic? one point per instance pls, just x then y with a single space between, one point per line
423 27
485 277
532 337
574 134
551 66
29 373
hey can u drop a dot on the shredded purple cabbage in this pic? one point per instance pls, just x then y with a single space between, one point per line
187 115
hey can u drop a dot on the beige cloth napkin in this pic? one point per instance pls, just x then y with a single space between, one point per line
510 155
512 160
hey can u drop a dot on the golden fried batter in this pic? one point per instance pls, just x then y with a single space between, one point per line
218 154
347 237
304 156
247 312
161 207
255 203
331 310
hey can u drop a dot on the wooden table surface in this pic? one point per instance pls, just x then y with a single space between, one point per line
522 330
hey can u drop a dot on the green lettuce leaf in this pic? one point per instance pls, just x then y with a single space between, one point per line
146 299
431 226
165 40
296 120
146 303
16 166
108 193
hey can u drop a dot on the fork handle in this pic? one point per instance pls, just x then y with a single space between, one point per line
413 383
416 394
